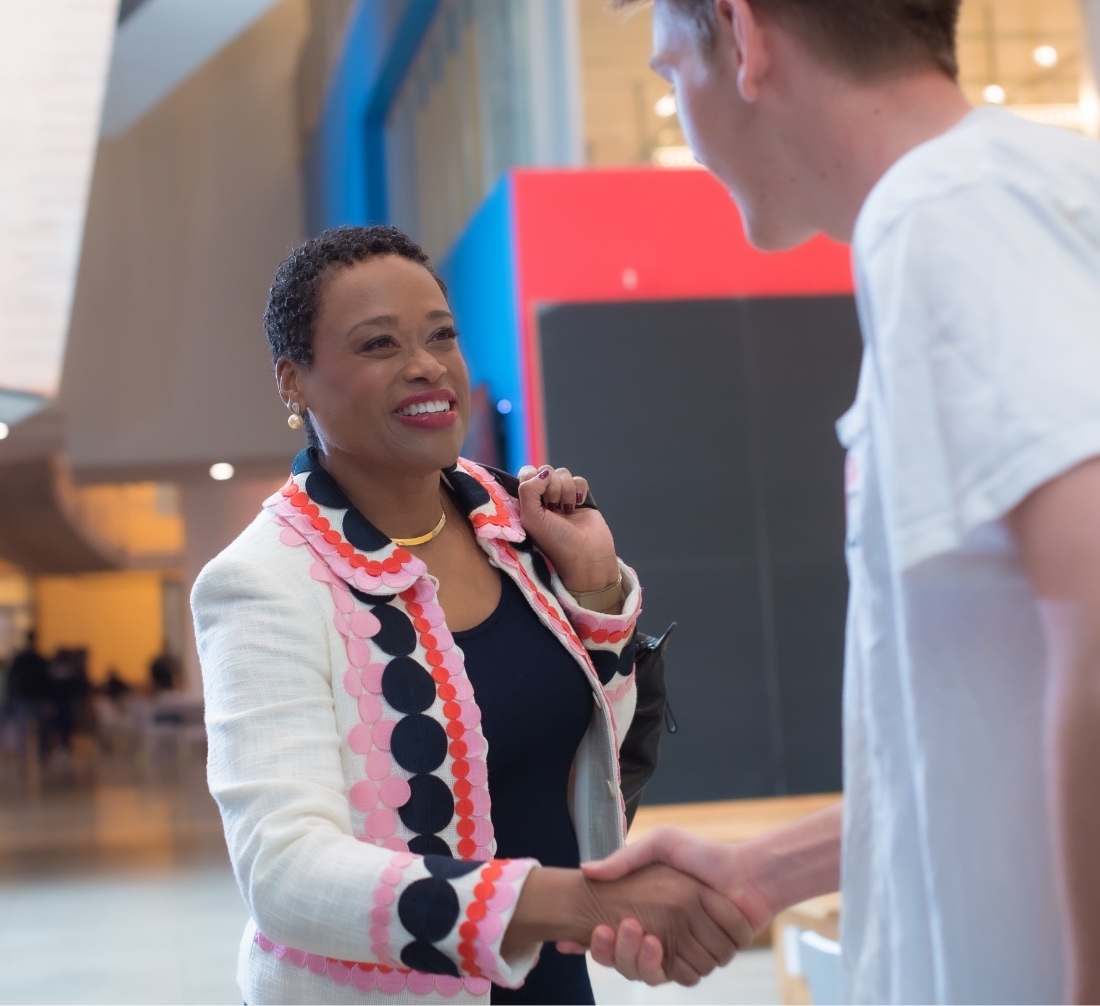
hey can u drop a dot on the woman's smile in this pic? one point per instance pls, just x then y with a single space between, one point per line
428 410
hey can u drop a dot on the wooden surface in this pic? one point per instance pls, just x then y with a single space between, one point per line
822 915
730 820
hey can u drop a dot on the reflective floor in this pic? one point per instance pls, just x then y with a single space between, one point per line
115 888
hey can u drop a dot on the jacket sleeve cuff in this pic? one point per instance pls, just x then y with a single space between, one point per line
449 916
607 631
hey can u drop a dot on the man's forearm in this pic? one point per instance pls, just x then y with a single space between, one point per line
1075 761
797 862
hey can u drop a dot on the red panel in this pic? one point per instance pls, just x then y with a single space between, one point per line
643 234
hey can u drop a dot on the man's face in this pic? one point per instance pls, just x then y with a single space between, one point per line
735 139
703 91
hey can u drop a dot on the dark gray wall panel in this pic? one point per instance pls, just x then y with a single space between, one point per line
707 430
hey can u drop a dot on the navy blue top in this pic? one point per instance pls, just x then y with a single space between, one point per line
535 707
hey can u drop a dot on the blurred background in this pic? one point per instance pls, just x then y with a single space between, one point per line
161 158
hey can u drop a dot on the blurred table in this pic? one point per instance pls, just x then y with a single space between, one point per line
730 820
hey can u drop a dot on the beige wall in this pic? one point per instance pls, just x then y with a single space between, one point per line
190 212
214 514
167 369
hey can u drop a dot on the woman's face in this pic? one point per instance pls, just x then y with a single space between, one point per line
388 387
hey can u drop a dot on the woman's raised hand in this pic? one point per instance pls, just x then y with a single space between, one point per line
576 540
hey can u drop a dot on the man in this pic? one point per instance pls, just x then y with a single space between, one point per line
969 838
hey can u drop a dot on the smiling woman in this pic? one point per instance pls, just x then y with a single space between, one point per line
416 683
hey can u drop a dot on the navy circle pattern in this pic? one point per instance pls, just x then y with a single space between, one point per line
467 489
407 687
324 491
431 845
430 806
429 910
418 744
542 569
447 868
362 533
606 663
371 599
397 635
424 957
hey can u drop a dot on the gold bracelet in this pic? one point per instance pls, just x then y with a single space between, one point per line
602 599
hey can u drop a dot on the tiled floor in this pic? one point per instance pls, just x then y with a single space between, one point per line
115 888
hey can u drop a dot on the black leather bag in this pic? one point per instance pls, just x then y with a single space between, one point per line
640 749
641 746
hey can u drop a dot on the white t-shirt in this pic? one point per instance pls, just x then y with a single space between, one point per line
977 259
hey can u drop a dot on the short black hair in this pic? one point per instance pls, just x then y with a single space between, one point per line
295 294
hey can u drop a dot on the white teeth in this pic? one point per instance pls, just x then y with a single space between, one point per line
422 407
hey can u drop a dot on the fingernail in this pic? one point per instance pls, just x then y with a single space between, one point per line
553 506
567 508
580 498
544 474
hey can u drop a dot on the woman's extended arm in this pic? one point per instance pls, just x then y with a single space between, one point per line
310 884
276 771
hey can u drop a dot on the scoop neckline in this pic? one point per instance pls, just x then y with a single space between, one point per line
492 618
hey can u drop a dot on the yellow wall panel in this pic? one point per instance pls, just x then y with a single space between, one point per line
117 616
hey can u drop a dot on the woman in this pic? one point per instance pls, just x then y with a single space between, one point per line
415 684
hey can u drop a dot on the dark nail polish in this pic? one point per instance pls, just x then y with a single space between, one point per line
580 498
567 508
544 474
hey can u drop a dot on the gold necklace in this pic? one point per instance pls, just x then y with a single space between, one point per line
424 537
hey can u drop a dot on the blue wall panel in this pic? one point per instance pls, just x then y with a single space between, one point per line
346 170
480 277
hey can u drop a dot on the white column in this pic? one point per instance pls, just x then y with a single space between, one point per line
53 72
214 513
1090 15
553 61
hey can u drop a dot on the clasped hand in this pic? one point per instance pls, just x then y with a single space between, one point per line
730 900
673 927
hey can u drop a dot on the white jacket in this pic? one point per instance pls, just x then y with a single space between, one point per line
321 769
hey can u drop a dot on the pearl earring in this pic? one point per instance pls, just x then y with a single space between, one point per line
294 420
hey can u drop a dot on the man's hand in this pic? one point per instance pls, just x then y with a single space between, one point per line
631 948
693 928
759 878
688 928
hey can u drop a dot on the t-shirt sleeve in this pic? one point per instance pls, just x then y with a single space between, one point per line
984 322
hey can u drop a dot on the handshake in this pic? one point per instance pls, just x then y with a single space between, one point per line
671 907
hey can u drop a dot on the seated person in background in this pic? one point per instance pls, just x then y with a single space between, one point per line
114 687
163 672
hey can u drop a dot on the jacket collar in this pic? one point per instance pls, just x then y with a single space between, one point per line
313 504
